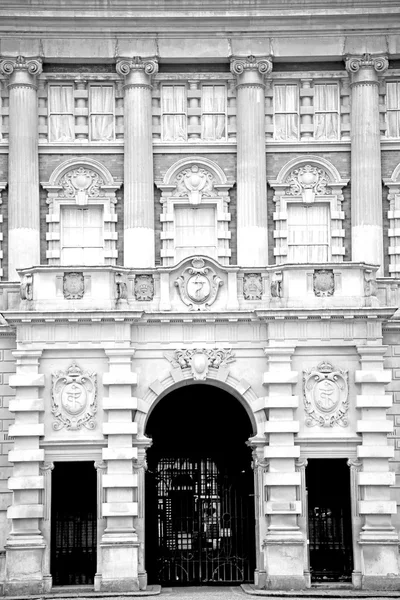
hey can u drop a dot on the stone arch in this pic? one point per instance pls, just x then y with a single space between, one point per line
86 162
239 388
317 161
206 163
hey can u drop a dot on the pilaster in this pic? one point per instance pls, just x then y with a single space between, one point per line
25 544
119 543
366 184
140 468
378 538
260 467
23 171
252 233
139 241
284 542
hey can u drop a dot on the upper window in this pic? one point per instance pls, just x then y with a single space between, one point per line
326 111
393 109
213 119
195 231
101 107
82 237
173 107
308 233
61 113
286 112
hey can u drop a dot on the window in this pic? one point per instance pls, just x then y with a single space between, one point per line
308 233
195 232
393 109
101 106
82 237
286 112
213 121
61 113
326 111
173 106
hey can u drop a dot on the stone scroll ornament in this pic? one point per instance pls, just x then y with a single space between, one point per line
326 396
74 398
199 360
198 285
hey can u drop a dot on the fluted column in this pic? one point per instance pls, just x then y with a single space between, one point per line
366 178
138 162
252 232
23 170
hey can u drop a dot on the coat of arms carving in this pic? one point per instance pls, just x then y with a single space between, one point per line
326 395
252 286
144 287
73 286
74 398
198 285
199 360
324 282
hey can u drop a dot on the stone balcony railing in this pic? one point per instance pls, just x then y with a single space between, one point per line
197 284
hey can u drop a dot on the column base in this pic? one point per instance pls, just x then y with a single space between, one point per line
119 557
142 577
285 582
127 584
24 562
356 580
284 560
381 568
260 578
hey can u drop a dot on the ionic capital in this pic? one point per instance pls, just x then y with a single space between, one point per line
251 70
365 68
137 71
22 71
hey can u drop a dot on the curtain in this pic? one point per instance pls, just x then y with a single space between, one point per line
195 231
326 107
102 113
393 109
61 108
308 233
213 101
286 107
82 237
174 113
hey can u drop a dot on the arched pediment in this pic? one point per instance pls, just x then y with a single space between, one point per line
200 164
311 164
86 164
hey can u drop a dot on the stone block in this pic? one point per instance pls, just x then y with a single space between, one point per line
124 480
383 376
119 428
120 509
274 479
120 403
25 511
376 507
372 401
26 483
329 48
27 380
383 426
28 430
26 405
194 49
280 377
126 378
281 401
282 451
119 453
376 478
282 427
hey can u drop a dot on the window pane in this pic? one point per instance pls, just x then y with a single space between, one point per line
61 99
392 95
213 127
292 127
101 99
61 128
280 127
292 98
102 128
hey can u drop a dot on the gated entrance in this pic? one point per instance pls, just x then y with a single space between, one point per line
73 523
329 520
200 502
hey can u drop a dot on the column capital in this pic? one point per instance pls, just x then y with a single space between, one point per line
365 68
251 70
21 70
137 71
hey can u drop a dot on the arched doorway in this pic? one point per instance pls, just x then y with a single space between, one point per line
200 525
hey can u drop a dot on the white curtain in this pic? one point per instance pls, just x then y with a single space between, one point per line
102 113
308 233
82 237
393 109
174 113
61 108
286 107
195 231
213 108
326 107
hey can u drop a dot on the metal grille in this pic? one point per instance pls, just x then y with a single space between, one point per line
331 554
74 526
205 520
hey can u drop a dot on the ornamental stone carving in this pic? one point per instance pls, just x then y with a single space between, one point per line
323 283
199 360
308 181
252 286
26 287
73 286
144 288
326 396
121 289
74 398
370 284
355 63
33 66
148 65
198 285
194 183
251 63
277 285
81 183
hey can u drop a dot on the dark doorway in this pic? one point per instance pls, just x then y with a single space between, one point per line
329 520
73 523
200 526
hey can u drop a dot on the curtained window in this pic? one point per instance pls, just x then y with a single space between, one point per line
213 106
326 111
101 106
195 231
308 233
286 112
61 113
82 237
393 109
173 107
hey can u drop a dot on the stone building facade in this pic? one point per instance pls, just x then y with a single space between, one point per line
200 269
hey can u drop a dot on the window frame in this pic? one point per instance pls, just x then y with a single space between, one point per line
165 113
94 84
327 112
51 113
214 113
393 110
276 112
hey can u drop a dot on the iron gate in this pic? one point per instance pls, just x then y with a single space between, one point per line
331 554
205 522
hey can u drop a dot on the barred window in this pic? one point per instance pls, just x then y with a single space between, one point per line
101 107
326 111
286 112
61 113
393 109
174 109
213 105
